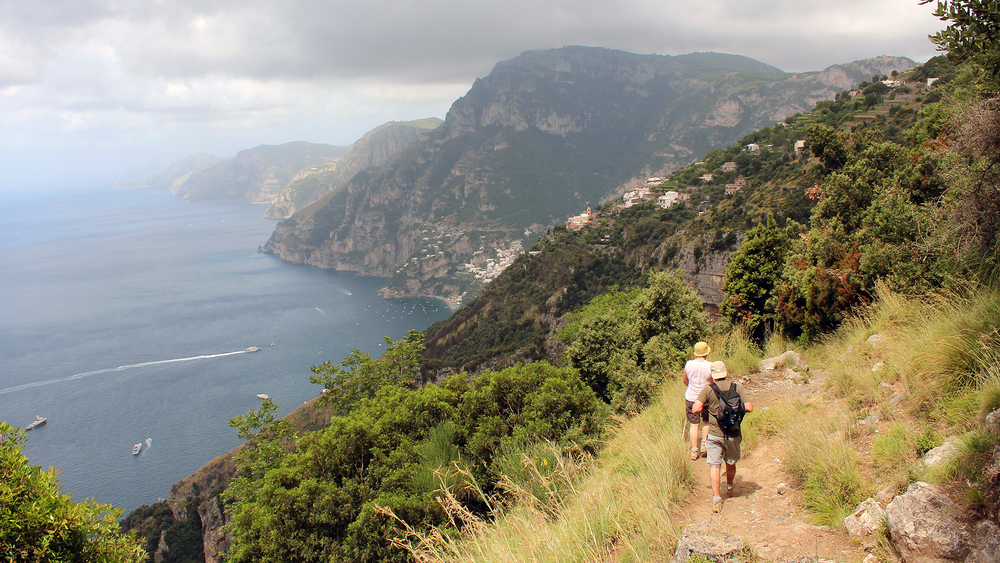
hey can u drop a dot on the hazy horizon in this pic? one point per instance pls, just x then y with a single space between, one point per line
88 91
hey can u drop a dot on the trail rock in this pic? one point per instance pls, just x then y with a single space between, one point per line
876 339
993 423
925 526
790 359
807 559
986 543
941 454
866 520
706 541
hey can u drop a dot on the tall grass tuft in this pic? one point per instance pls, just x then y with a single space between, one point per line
742 355
821 458
953 351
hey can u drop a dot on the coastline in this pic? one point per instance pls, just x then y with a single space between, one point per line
390 294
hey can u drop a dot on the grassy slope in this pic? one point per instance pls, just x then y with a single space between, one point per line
941 351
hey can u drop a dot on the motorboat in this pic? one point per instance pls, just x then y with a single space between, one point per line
136 448
252 349
39 420
262 396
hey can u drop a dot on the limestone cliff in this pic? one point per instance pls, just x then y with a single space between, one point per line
375 148
254 175
540 138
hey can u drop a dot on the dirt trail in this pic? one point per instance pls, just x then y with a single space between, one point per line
774 525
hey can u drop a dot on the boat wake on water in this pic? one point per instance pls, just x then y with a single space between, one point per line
119 368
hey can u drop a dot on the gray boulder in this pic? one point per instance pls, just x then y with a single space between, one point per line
708 542
986 543
942 454
993 423
866 520
926 527
790 359
876 339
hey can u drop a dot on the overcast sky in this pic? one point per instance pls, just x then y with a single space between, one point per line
89 88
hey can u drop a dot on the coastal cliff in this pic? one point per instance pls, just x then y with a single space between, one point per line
540 138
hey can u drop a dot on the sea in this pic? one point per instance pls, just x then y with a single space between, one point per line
125 316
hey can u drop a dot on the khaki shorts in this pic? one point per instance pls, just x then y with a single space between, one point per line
723 448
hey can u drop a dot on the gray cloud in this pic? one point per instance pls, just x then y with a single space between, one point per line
135 77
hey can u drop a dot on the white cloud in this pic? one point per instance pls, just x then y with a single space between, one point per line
116 80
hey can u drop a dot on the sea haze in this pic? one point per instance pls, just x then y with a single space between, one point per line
125 315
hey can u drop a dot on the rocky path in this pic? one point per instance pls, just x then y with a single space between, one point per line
763 509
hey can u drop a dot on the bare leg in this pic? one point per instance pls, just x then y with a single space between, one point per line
694 436
715 476
730 474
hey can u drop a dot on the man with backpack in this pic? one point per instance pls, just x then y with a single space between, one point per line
725 405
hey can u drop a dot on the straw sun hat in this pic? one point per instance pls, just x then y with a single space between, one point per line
702 349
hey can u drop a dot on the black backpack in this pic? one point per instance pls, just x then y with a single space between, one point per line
731 409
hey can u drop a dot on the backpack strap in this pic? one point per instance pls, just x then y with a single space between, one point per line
718 395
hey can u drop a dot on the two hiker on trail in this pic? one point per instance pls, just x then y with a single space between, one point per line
724 436
697 374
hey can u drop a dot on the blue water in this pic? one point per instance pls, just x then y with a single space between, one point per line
124 315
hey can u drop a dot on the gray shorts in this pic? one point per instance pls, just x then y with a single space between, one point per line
719 448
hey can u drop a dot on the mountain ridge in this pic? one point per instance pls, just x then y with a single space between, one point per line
540 137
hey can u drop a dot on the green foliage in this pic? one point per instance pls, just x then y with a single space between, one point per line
511 409
625 342
359 377
316 501
752 278
38 523
973 34
184 537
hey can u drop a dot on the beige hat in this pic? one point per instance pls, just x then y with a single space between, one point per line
719 370
702 349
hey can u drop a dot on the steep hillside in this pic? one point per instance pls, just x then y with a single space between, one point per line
255 175
375 148
162 176
541 137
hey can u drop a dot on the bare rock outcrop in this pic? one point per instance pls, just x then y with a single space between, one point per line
790 359
866 520
926 526
706 542
213 517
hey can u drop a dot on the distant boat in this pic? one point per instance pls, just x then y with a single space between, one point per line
262 396
136 448
252 349
36 423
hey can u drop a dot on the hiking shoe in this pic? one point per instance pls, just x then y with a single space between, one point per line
694 454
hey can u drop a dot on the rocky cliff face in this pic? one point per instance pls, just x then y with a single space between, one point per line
538 139
255 175
847 76
375 148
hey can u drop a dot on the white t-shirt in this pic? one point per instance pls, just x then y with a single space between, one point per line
699 373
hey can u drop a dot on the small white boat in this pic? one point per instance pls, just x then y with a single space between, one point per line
136 448
251 349
262 396
39 420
